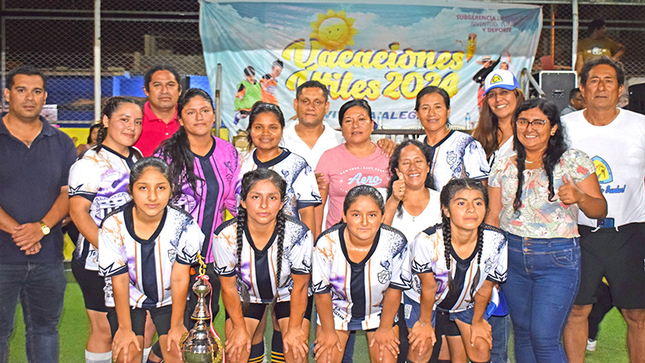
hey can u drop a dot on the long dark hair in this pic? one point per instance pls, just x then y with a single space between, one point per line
111 105
249 180
555 148
352 103
488 124
394 164
448 192
363 191
177 148
89 135
260 108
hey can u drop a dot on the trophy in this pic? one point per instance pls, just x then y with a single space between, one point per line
201 344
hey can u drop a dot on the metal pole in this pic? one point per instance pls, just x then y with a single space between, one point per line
97 60
574 33
553 33
3 60
218 99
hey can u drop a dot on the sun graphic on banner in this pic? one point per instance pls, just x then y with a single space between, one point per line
334 30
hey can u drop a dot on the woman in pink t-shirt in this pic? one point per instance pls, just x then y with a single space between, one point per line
358 161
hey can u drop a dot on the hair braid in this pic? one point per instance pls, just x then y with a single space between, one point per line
280 226
242 288
447 246
521 158
478 247
100 137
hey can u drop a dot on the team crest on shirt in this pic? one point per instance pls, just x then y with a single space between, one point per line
451 157
172 255
603 171
384 276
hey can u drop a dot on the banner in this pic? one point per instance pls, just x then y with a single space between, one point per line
383 53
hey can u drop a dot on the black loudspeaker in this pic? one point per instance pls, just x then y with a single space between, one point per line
557 85
637 98
185 83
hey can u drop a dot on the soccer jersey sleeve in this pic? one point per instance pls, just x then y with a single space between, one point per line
190 243
84 179
323 257
497 273
475 161
306 187
112 259
230 200
401 274
224 249
300 254
422 260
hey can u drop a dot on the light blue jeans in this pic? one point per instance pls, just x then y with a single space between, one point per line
543 280
41 289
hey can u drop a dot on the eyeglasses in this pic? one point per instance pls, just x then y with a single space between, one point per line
537 124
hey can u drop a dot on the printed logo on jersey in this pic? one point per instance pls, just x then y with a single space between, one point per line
603 171
605 176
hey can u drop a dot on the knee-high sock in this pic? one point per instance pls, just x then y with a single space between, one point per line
257 353
277 350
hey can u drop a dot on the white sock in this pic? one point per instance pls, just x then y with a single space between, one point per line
91 357
146 353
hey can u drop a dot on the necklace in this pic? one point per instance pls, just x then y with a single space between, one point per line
528 162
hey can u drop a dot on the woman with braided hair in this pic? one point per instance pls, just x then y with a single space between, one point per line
262 257
458 262
535 198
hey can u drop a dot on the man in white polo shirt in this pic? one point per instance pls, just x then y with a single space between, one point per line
614 247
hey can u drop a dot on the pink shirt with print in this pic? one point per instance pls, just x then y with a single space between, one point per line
345 171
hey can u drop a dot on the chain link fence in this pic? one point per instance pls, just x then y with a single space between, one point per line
58 37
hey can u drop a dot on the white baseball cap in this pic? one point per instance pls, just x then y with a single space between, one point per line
500 78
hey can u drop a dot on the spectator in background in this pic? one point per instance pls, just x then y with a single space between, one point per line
34 166
91 139
612 247
597 45
576 102
162 85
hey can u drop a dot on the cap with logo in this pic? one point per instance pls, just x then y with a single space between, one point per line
500 78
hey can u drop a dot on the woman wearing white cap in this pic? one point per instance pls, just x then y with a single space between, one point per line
494 131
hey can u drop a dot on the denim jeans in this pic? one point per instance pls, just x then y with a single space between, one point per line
501 331
41 288
543 280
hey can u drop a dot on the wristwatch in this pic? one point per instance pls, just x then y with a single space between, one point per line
44 228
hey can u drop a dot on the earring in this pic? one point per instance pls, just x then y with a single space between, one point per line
552 133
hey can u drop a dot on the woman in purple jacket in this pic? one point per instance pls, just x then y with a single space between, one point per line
204 174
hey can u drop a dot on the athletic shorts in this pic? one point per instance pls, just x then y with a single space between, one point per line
281 310
160 317
412 311
91 285
619 256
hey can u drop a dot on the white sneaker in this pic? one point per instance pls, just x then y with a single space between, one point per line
591 345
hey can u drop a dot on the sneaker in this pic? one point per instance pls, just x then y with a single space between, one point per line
591 345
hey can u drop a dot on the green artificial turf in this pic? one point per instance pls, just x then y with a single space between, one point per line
74 328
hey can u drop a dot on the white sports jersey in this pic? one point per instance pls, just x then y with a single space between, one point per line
258 268
428 256
618 151
102 178
357 289
411 226
458 155
148 262
302 188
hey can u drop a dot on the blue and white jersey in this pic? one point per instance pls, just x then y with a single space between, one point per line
302 188
259 267
427 252
148 262
102 178
458 155
358 288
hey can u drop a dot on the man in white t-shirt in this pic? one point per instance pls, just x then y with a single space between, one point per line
614 247
310 136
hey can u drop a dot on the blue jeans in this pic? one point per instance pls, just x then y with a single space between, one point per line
543 280
41 288
501 330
